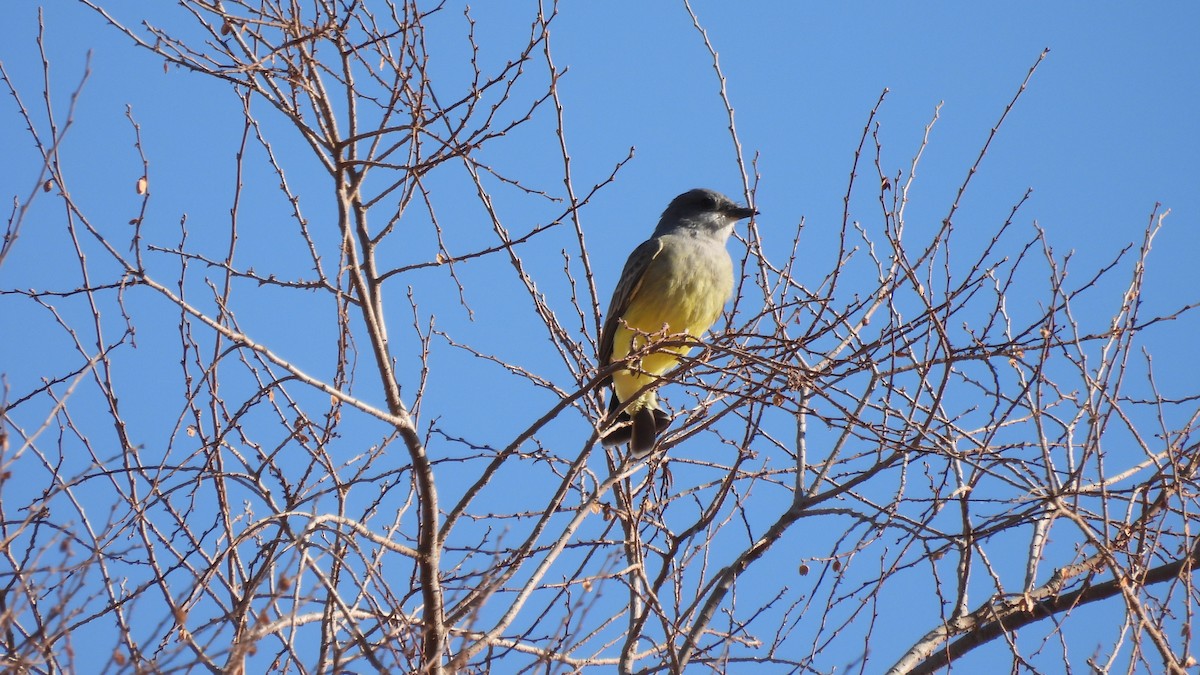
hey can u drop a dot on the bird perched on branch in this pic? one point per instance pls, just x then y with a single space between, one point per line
676 282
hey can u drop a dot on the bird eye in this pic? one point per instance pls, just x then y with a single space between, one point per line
708 202
701 201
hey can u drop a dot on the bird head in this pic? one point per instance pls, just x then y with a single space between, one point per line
704 211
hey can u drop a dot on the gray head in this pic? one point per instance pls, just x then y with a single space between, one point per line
703 212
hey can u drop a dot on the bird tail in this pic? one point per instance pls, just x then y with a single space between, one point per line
641 430
644 431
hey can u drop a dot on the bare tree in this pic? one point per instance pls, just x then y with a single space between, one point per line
921 413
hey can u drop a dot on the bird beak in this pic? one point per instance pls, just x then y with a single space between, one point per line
742 212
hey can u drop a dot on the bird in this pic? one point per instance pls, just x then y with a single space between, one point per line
677 281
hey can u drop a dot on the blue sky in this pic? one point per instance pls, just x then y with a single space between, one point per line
1106 129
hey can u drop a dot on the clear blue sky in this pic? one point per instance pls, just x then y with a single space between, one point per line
1107 129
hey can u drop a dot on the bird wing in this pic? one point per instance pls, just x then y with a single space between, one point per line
627 288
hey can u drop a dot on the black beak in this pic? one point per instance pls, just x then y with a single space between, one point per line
741 212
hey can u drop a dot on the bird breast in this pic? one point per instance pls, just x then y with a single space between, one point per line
686 287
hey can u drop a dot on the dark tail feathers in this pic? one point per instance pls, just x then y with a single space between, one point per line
641 431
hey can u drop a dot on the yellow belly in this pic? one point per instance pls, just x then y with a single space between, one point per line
684 290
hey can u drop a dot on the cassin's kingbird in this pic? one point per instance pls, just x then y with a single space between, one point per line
678 281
